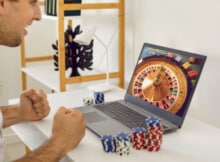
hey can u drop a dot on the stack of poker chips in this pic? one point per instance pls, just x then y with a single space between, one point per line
155 134
123 142
108 143
138 138
99 97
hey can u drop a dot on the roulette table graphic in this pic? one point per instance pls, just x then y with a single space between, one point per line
166 78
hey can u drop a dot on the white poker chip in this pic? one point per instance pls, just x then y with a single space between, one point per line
87 101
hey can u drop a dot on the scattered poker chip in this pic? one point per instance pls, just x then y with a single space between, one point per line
99 97
108 143
87 101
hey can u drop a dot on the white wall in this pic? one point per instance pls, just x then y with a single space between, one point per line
190 25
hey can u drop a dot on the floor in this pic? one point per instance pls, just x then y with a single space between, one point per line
14 148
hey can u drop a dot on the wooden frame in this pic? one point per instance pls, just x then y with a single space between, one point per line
63 80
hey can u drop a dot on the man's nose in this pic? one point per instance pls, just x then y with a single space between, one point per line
37 12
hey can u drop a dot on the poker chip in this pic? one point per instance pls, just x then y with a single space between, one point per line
108 143
138 138
123 144
155 134
99 97
152 121
153 148
87 101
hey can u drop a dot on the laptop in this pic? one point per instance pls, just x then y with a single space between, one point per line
162 85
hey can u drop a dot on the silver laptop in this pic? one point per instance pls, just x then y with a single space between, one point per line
162 85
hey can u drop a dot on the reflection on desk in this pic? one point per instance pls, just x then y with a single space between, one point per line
196 141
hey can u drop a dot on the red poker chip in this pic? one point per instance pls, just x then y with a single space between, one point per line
137 139
138 135
154 129
158 126
155 140
155 136
155 133
139 143
139 148
158 129
154 143
151 148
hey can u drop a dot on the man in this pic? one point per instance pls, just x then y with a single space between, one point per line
69 125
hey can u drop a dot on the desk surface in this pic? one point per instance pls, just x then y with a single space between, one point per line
196 141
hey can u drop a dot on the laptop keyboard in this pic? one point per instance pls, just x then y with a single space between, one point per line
122 113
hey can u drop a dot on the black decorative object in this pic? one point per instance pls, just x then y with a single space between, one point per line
77 55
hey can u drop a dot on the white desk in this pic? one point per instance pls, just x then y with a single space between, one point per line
196 141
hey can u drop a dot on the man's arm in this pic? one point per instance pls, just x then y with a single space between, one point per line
33 106
48 152
67 131
11 115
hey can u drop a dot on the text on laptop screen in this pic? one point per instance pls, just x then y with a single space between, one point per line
166 78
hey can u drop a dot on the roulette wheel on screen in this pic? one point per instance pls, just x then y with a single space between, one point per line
161 81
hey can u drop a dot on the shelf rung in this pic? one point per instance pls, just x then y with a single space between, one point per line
41 58
90 77
91 6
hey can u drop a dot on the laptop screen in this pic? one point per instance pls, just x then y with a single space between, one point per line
166 78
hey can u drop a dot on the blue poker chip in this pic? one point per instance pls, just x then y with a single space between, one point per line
123 136
139 130
99 97
153 121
